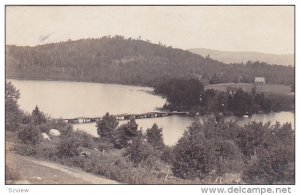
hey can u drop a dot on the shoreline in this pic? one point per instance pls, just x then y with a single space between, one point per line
91 82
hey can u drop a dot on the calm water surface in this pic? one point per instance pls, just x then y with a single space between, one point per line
75 99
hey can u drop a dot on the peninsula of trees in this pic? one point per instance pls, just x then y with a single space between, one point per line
190 95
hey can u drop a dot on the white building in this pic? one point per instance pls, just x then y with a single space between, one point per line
260 80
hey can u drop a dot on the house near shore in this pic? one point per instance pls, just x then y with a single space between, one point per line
260 80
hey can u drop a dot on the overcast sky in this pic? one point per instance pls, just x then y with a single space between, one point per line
249 28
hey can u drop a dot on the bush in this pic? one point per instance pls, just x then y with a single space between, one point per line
47 151
126 133
228 158
26 150
252 136
104 144
68 146
29 135
107 125
193 158
120 169
205 151
272 156
65 130
84 139
267 168
89 164
140 152
77 161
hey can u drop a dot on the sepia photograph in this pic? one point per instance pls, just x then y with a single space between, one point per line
152 94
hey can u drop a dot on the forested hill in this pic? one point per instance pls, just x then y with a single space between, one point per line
129 61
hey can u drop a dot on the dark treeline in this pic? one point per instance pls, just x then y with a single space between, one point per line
189 95
130 61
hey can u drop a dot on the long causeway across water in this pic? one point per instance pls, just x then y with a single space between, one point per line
124 117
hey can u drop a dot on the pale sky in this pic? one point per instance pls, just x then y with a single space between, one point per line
268 29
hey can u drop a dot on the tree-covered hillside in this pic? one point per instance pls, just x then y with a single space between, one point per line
129 61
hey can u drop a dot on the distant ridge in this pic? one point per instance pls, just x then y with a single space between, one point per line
243 57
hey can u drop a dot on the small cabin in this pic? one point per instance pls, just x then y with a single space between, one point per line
260 80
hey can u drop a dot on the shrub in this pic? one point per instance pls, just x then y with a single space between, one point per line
140 152
83 139
120 169
252 136
125 133
193 158
89 164
205 151
65 130
29 135
68 147
26 150
227 158
77 161
48 151
104 144
267 168
69 144
216 127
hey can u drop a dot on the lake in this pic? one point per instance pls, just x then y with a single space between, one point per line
62 99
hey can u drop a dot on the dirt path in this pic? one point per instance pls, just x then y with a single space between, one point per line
35 171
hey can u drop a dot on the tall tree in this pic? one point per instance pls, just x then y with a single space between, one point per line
12 113
38 117
154 137
106 126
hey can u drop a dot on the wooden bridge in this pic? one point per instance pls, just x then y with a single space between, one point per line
125 116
